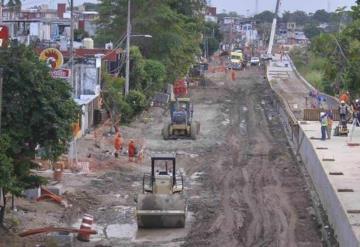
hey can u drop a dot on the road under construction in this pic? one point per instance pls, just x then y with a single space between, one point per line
242 182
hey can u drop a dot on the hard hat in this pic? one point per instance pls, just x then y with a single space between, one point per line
342 102
322 114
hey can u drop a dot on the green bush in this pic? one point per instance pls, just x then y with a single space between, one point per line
315 77
136 101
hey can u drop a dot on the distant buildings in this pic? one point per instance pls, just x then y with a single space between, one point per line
50 28
42 24
291 34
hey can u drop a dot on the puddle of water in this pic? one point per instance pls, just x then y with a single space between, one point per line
188 154
196 175
243 127
127 231
226 122
162 235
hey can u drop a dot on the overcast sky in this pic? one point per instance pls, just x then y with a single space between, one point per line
241 6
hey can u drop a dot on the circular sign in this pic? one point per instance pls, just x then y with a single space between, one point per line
53 57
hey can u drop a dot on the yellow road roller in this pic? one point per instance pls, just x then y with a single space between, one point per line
162 203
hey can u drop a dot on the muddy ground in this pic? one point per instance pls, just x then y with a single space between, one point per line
243 185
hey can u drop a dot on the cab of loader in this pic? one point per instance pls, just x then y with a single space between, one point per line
181 111
163 178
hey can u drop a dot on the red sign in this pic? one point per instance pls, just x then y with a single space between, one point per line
61 73
4 36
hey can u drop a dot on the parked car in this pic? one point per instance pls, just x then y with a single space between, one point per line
254 61
265 57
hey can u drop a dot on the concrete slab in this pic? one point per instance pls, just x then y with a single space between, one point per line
32 194
57 189
339 192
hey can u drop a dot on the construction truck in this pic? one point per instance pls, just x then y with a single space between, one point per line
181 124
236 60
162 203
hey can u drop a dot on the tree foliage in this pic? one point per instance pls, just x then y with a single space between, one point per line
36 110
265 16
212 36
340 52
175 26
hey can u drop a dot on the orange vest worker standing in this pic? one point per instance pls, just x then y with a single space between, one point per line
233 75
117 144
131 150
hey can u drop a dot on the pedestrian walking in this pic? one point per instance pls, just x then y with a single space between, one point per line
324 125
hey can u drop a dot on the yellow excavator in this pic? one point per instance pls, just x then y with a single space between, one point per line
162 203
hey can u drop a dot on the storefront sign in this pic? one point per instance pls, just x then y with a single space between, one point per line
53 57
61 73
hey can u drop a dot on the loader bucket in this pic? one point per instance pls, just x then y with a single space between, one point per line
161 211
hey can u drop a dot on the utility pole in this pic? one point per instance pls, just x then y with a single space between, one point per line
2 195
1 94
128 34
72 76
1 11
72 44
257 7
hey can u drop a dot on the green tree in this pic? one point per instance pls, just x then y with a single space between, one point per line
37 110
80 34
265 16
137 101
175 26
155 76
137 72
213 37
321 16
311 30
113 96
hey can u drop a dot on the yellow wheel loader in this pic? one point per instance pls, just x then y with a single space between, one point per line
162 203
181 124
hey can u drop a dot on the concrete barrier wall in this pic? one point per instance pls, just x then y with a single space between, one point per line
303 147
327 194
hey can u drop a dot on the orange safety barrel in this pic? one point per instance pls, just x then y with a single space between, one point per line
86 223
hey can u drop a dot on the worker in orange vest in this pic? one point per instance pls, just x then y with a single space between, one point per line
117 144
131 150
233 75
345 97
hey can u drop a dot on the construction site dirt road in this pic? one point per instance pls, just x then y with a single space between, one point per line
243 185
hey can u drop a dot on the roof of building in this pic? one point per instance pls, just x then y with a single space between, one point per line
109 55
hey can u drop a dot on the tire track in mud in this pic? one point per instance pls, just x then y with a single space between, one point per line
253 205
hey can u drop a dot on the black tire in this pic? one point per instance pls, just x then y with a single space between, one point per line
165 131
193 131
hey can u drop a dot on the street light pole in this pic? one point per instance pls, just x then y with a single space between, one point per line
128 34
72 45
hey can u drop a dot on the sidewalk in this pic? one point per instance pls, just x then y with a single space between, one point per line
334 167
